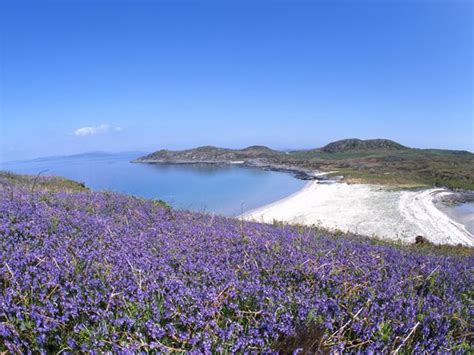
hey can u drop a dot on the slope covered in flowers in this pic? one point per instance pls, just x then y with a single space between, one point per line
101 271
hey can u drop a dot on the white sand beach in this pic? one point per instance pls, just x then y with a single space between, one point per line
370 210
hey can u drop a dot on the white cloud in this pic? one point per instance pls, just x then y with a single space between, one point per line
92 131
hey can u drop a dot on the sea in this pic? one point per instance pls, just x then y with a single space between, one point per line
222 189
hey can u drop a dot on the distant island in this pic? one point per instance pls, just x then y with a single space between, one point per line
379 161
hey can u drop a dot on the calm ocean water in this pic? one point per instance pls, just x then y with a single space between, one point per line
225 189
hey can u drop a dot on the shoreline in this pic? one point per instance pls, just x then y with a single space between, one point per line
370 210
297 172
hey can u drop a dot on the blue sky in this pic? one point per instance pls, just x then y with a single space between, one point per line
79 76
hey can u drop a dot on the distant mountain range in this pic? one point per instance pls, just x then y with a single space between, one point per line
361 161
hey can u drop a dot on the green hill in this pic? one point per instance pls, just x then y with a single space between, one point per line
353 144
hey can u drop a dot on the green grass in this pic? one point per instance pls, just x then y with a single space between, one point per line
38 182
410 167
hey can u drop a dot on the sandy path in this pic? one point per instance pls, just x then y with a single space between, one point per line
369 210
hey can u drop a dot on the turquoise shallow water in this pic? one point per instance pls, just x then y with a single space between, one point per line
226 189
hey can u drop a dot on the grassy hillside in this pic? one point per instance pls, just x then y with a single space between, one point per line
83 271
370 161
354 144
35 183
454 169
210 154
